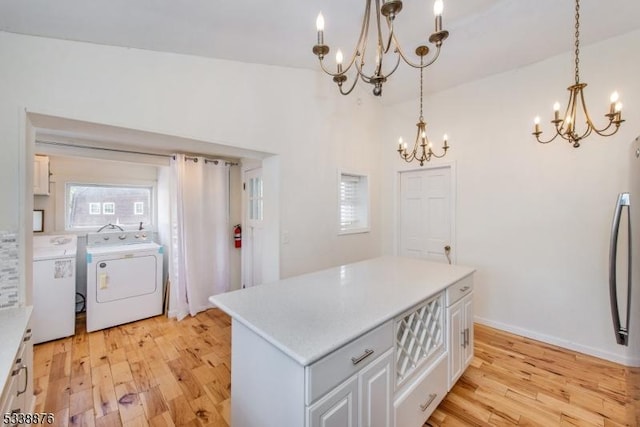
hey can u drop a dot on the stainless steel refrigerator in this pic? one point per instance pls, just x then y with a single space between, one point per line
624 259
624 280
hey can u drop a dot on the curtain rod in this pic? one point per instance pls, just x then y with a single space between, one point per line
119 150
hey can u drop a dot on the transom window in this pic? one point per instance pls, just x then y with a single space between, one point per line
91 206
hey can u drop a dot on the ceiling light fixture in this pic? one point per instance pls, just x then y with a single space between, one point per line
422 149
567 127
389 10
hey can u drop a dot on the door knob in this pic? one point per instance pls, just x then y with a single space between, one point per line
447 252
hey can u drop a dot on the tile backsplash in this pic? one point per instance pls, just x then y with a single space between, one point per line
9 270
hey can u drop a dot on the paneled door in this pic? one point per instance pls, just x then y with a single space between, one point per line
252 235
426 214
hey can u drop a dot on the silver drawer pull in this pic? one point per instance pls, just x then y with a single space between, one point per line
465 289
425 405
464 338
27 338
367 353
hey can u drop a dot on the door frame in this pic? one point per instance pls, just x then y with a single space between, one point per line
452 201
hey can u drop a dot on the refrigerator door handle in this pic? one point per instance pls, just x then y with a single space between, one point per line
622 336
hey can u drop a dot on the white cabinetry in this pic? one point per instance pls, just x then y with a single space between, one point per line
17 396
421 363
376 391
460 318
364 399
339 408
362 345
370 390
41 175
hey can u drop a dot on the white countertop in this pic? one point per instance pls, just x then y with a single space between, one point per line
309 316
13 322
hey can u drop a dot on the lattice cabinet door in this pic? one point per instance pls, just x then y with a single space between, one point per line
419 337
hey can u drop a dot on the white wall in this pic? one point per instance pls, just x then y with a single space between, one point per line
295 114
533 219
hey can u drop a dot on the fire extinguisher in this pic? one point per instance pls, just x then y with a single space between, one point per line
237 235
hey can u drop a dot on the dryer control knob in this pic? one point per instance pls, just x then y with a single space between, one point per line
106 237
122 236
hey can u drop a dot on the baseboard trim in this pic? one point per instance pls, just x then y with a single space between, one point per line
591 351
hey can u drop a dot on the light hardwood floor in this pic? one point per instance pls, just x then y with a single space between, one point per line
159 372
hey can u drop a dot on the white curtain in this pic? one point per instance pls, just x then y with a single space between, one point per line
200 233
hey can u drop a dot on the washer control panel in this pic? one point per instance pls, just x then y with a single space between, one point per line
112 238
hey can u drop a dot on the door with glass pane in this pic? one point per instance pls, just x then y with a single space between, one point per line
253 232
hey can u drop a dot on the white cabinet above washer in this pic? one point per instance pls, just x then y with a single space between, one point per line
40 175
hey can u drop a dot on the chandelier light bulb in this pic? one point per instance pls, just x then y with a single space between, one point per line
339 57
320 22
556 106
400 143
536 123
614 97
618 107
438 7
446 138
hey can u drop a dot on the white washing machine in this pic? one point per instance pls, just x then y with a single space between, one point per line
54 287
124 278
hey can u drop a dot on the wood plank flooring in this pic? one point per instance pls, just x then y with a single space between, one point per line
159 372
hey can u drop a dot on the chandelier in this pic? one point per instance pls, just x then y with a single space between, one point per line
422 148
567 127
384 44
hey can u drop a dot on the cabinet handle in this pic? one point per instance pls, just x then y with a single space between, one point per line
426 404
464 339
356 360
26 338
26 380
465 289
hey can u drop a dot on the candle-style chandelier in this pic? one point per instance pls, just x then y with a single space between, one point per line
422 148
385 42
566 127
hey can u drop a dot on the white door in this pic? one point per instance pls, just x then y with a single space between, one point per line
252 234
426 214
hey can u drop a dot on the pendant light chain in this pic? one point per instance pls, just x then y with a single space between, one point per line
421 79
577 41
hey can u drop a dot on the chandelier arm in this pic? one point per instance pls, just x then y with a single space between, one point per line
360 45
363 76
436 156
355 81
412 64
391 35
395 67
548 141
590 125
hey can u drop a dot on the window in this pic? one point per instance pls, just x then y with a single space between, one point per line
108 208
94 209
138 208
90 206
354 203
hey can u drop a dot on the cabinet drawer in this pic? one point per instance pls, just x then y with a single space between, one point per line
413 407
334 368
458 290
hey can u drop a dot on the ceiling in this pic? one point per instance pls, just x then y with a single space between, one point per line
487 36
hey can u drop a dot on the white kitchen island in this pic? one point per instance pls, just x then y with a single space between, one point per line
374 343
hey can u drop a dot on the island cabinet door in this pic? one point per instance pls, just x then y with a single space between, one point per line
339 408
455 315
376 392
